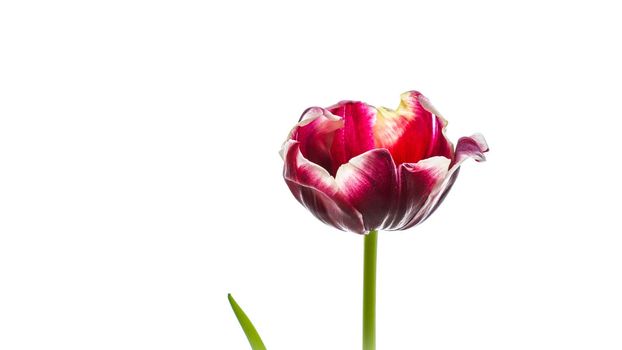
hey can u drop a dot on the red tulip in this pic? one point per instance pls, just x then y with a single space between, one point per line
360 168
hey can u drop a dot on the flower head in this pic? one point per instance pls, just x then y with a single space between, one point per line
359 168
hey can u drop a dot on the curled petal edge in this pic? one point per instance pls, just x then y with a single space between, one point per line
473 146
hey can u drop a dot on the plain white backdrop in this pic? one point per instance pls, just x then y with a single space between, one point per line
140 180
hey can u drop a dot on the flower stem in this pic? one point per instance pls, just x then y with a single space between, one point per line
369 291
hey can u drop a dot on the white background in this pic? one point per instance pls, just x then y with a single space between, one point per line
140 180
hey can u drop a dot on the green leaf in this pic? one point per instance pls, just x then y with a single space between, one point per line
251 333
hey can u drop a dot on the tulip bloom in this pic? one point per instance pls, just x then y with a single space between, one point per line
360 168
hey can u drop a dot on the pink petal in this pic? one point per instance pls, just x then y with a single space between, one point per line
315 133
356 136
316 190
417 183
412 132
473 146
369 182
468 147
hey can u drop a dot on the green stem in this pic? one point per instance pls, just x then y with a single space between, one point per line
369 291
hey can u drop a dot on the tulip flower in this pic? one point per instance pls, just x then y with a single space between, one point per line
360 168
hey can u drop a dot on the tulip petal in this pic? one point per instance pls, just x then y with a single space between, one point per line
473 146
357 136
413 132
468 147
417 183
317 190
369 183
315 132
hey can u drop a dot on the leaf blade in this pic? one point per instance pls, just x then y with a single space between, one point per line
247 326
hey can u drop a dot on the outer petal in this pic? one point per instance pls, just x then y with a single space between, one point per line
468 147
417 182
357 135
413 132
369 183
473 146
315 189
